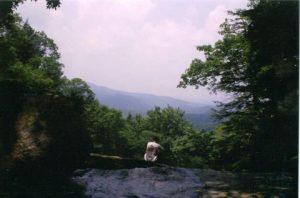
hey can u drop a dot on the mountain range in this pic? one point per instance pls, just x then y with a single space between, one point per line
139 103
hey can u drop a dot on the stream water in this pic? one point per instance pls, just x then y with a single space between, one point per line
139 182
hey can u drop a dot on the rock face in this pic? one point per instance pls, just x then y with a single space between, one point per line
140 182
45 134
157 182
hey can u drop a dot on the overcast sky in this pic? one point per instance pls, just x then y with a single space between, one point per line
132 45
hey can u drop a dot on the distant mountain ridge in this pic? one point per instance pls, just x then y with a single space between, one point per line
140 103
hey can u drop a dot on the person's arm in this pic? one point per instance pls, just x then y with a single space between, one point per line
161 147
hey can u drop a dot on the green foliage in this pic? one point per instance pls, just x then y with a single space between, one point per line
28 56
168 121
183 144
135 143
193 149
28 67
76 88
112 134
8 7
104 125
257 63
42 114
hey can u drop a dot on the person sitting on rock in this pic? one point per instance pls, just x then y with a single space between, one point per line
152 150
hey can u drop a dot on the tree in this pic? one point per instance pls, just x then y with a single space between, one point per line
76 88
275 52
193 149
28 67
28 56
168 121
7 7
42 122
104 126
257 63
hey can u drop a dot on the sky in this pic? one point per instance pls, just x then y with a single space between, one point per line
140 46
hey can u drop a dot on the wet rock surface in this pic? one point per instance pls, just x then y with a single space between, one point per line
157 182
140 182
217 184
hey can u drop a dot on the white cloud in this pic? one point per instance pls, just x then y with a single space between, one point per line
132 45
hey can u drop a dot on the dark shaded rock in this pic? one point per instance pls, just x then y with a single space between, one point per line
140 182
40 133
115 162
159 182
42 141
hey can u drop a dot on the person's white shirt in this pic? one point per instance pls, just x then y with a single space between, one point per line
151 151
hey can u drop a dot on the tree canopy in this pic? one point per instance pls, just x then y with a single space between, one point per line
256 62
41 111
7 7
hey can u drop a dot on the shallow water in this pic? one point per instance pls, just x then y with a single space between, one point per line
139 182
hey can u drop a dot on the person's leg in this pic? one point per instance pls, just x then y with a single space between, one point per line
154 159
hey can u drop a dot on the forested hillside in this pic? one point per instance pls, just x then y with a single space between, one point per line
199 114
